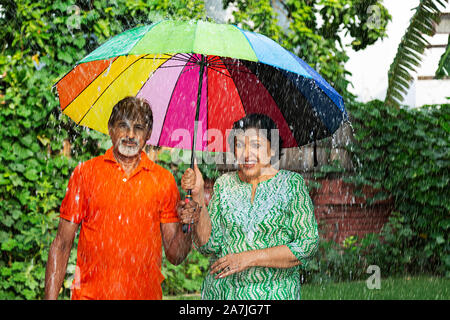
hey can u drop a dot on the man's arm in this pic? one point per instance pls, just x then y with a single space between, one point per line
176 243
57 258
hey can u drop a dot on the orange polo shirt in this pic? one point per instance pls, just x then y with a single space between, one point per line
119 247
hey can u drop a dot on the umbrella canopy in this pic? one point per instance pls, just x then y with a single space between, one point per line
241 72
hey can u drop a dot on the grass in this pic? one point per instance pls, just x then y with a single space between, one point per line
405 288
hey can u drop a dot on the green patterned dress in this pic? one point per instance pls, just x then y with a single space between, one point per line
281 214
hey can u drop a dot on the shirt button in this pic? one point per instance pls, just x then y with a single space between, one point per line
124 179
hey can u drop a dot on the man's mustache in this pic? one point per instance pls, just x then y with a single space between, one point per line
128 141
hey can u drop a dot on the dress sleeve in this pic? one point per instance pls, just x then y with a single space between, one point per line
73 207
303 222
214 244
170 197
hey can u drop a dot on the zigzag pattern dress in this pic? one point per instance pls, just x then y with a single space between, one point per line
281 214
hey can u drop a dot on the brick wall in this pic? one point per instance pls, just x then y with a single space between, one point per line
341 214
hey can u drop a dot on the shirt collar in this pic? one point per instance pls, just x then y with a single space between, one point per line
145 162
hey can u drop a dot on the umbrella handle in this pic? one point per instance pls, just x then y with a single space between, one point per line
187 227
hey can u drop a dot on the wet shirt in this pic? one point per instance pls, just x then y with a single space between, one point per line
281 214
120 247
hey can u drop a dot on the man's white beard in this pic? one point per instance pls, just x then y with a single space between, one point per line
128 151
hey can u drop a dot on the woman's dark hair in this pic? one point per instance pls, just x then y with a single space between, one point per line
258 121
132 108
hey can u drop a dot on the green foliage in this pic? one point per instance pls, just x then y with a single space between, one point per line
347 261
411 49
407 154
40 42
297 26
444 63
186 277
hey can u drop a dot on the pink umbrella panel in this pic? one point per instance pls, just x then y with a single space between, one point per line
172 93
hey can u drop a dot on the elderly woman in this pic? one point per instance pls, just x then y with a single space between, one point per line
259 226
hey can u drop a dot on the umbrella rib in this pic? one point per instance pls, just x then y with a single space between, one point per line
164 56
90 108
190 68
181 60
233 65
172 58
168 105
221 65
239 94
227 65
180 57
216 70
68 105
188 56
213 60
161 66
217 66
177 66
193 58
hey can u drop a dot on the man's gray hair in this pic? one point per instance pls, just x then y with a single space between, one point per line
132 108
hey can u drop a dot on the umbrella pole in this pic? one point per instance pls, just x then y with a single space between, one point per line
202 63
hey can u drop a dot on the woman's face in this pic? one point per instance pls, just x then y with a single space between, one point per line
253 152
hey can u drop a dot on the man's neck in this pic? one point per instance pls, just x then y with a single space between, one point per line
128 164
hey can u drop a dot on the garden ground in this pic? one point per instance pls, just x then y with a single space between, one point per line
404 288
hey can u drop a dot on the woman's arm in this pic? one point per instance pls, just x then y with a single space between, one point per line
202 230
275 257
302 222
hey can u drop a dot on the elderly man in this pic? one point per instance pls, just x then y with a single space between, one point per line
127 208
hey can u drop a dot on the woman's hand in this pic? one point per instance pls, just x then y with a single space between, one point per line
232 263
193 180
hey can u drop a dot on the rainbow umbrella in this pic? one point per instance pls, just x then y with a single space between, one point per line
199 76
212 73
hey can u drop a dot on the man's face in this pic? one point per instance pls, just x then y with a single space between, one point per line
129 136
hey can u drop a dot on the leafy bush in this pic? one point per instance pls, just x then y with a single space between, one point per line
406 152
41 41
186 277
336 262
